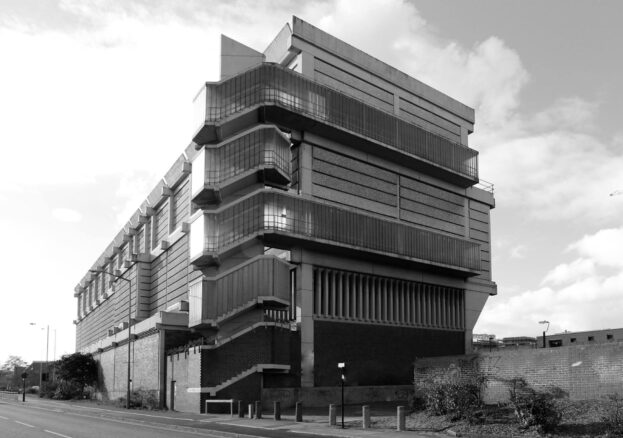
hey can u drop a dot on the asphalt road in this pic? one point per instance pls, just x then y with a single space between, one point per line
32 421
44 418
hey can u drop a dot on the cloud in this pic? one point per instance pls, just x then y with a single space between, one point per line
584 294
605 247
569 272
66 215
132 189
518 252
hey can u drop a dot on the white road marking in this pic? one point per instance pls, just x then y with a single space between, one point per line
56 433
24 424
4 418
134 413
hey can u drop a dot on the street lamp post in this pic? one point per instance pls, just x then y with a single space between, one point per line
47 349
544 331
120 277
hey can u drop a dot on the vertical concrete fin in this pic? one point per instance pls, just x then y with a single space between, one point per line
236 57
279 49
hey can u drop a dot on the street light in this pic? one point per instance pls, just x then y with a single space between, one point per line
544 331
47 349
120 277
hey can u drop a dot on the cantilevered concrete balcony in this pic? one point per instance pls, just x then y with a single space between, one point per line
259 154
262 281
283 219
271 93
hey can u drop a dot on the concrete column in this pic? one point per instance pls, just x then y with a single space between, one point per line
305 296
400 423
308 67
305 168
332 415
365 414
162 369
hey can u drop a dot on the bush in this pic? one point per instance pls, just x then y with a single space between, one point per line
47 390
460 399
67 390
535 408
613 418
142 399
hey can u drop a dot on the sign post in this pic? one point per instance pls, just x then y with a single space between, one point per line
24 376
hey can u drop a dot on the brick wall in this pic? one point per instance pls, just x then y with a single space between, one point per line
376 354
585 372
262 345
113 368
184 369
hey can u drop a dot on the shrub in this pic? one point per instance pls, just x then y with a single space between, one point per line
67 390
460 399
142 399
534 408
48 389
613 418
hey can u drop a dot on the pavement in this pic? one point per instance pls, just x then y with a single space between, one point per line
314 423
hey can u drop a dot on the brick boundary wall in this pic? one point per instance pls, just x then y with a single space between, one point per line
585 372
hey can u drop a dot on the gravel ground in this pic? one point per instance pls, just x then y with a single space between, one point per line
580 419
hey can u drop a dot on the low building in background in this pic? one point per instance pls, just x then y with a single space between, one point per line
519 342
577 338
327 210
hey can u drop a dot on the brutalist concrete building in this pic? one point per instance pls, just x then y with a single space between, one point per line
327 210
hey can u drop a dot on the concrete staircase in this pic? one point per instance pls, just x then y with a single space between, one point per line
259 368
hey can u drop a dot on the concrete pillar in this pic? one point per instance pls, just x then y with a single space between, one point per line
276 411
162 369
400 420
305 296
305 168
298 412
240 409
332 415
250 410
258 409
308 62
365 414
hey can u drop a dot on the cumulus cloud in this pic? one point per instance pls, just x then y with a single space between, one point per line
583 294
66 215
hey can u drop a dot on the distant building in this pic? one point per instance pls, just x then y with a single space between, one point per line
579 338
519 342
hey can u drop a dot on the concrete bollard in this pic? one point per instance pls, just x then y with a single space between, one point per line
400 421
365 413
299 412
277 411
258 409
332 415
250 411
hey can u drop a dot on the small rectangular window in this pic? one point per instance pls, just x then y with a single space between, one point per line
591 338
572 340
609 337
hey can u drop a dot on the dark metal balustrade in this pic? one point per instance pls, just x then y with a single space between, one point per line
264 152
282 217
271 84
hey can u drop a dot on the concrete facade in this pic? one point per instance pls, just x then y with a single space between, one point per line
328 209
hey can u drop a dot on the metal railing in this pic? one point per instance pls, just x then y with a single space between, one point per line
305 219
264 147
276 85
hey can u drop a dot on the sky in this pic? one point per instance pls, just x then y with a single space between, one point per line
96 103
